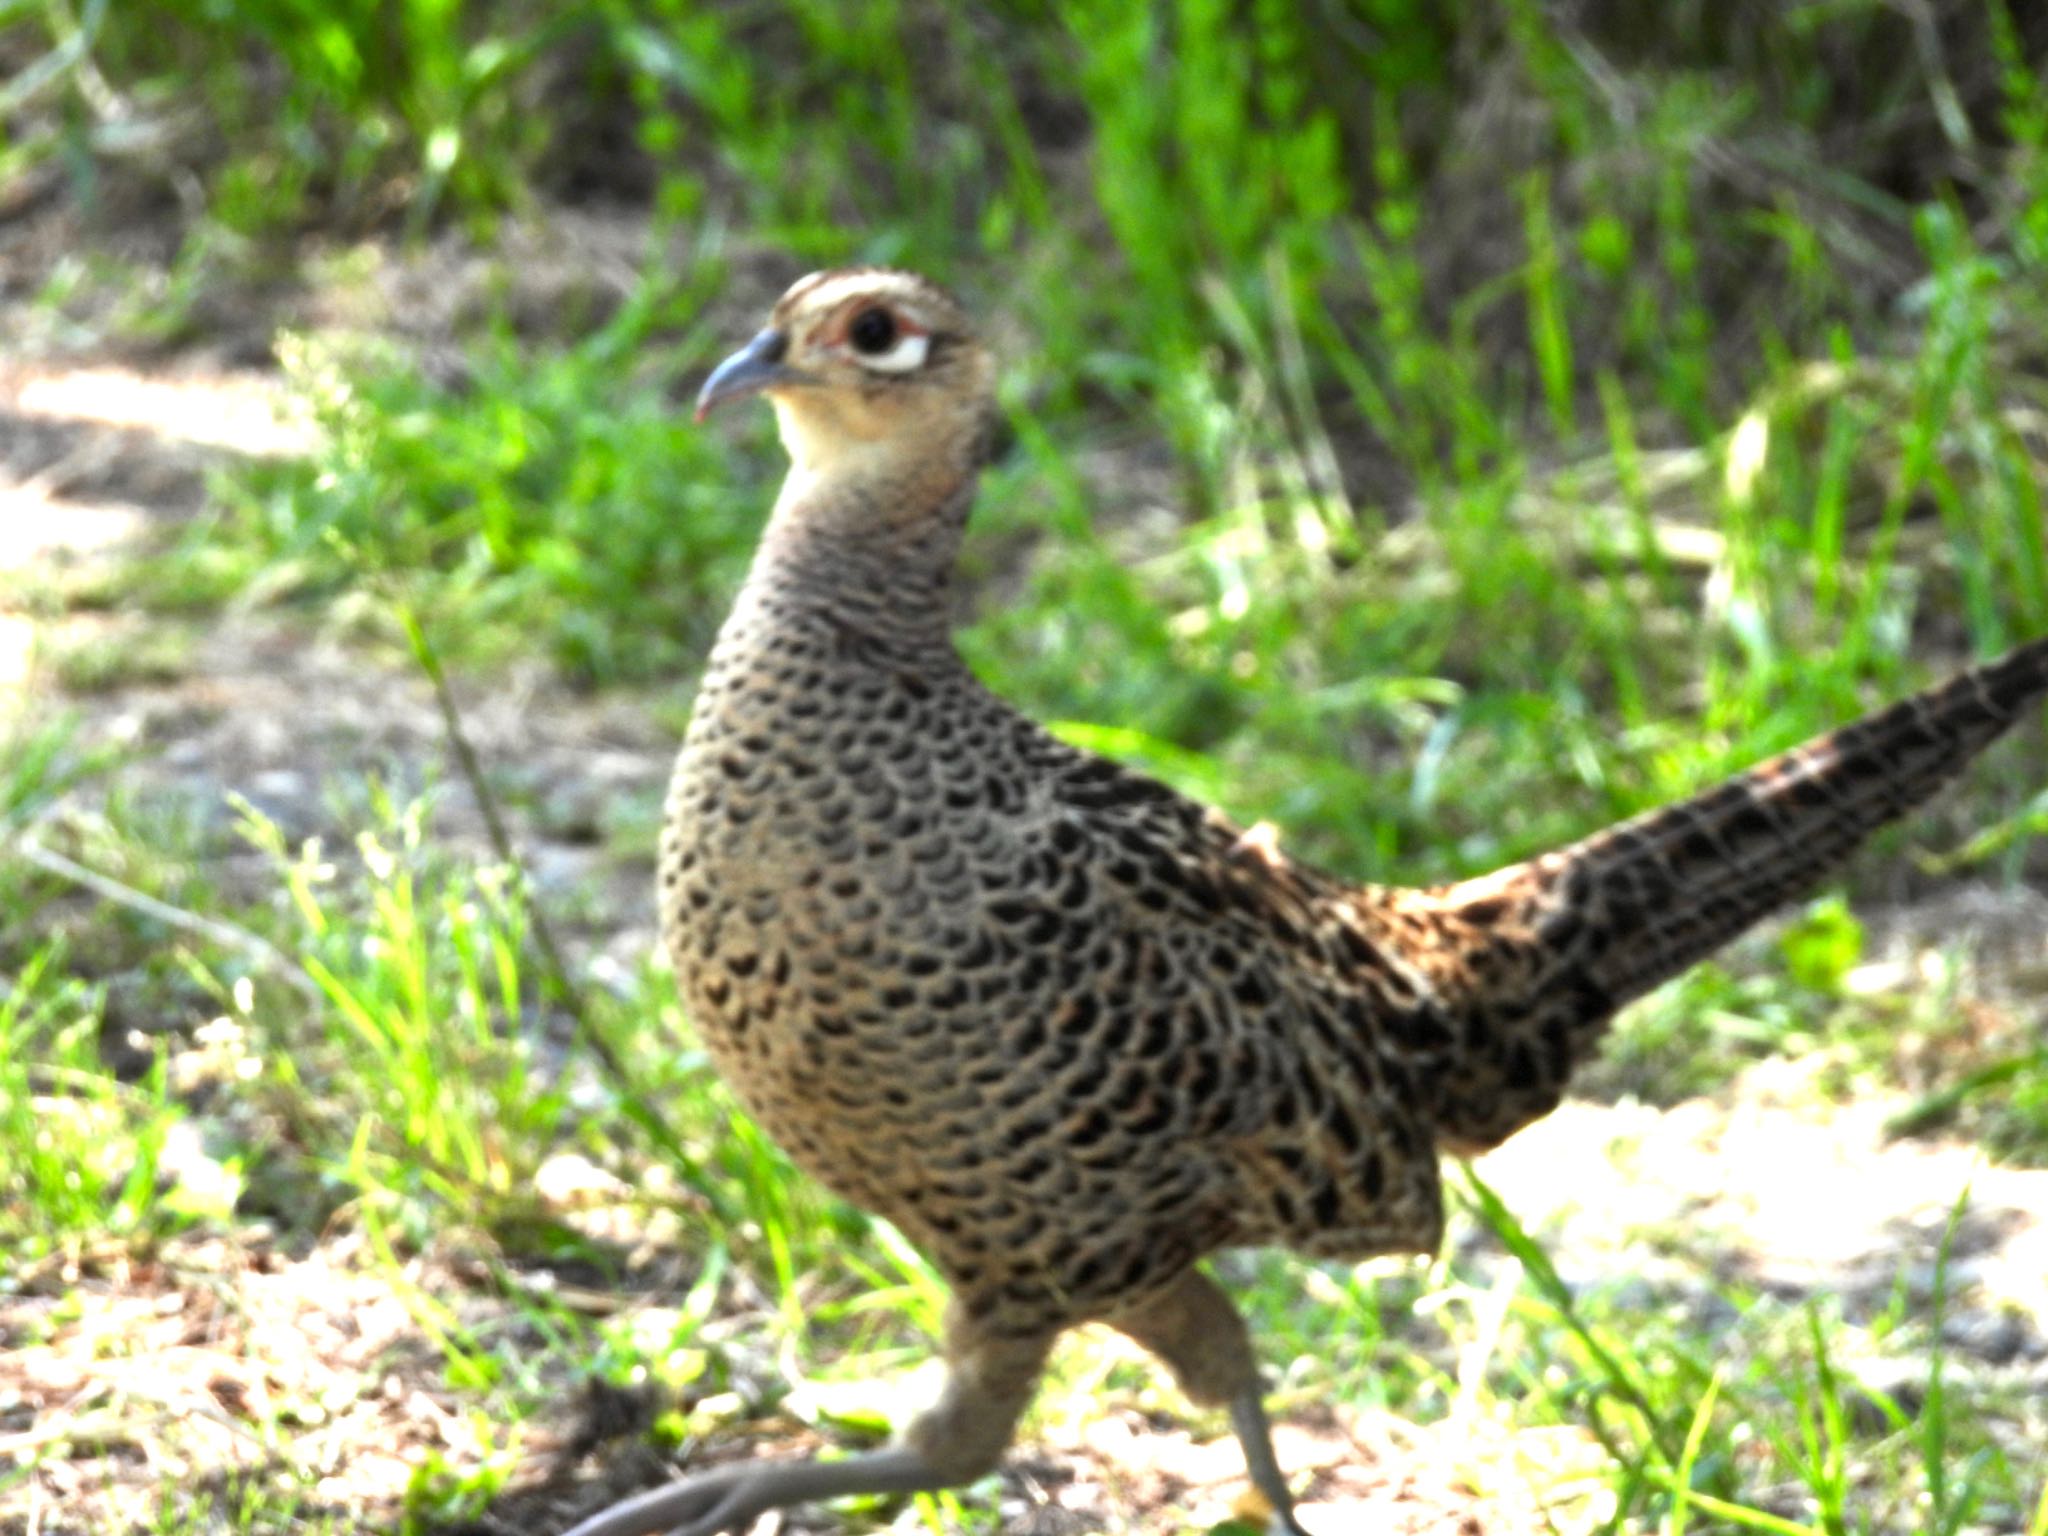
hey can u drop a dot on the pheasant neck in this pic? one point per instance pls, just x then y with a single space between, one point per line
857 562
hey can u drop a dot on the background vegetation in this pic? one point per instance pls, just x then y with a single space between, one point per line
1440 428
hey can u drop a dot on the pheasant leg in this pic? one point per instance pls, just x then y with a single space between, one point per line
957 1439
1195 1330
1255 1438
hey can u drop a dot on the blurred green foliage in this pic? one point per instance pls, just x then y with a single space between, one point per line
1439 428
1530 376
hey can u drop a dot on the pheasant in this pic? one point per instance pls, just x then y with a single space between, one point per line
1069 1030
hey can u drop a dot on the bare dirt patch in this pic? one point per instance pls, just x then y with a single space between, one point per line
213 1358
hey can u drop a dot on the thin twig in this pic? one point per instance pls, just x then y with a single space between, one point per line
471 768
635 1104
228 935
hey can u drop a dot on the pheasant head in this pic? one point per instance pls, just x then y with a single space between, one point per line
879 386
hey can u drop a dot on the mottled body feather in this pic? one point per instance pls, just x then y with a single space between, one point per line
1070 1030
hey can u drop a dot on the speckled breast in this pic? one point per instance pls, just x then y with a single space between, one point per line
813 901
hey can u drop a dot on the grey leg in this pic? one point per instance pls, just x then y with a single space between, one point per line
1255 1438
956 1440
1195 1330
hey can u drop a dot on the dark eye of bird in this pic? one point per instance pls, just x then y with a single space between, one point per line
872 331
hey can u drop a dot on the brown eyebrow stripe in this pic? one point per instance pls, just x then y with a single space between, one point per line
916 282
805 285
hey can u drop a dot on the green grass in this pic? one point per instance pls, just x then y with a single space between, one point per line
1773 1410
578 492
83 1132
84 1146
1434 484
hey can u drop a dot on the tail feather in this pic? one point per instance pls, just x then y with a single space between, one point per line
1676 883
1535 958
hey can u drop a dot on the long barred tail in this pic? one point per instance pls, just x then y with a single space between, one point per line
1532 960
1672 885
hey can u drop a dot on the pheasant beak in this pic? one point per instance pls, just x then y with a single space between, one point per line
755 367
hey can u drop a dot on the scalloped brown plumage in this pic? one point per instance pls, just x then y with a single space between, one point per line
1071 1031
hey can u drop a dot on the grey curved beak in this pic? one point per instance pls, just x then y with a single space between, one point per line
755 367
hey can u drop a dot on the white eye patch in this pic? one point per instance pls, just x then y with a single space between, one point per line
909 352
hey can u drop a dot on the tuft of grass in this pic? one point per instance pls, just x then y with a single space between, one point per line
419 1094
567 503
122 657
1699 1424
80 1148
40 759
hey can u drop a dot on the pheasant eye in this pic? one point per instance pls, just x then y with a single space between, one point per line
883 344
873 331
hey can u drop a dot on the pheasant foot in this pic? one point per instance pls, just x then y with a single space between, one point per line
730 1498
